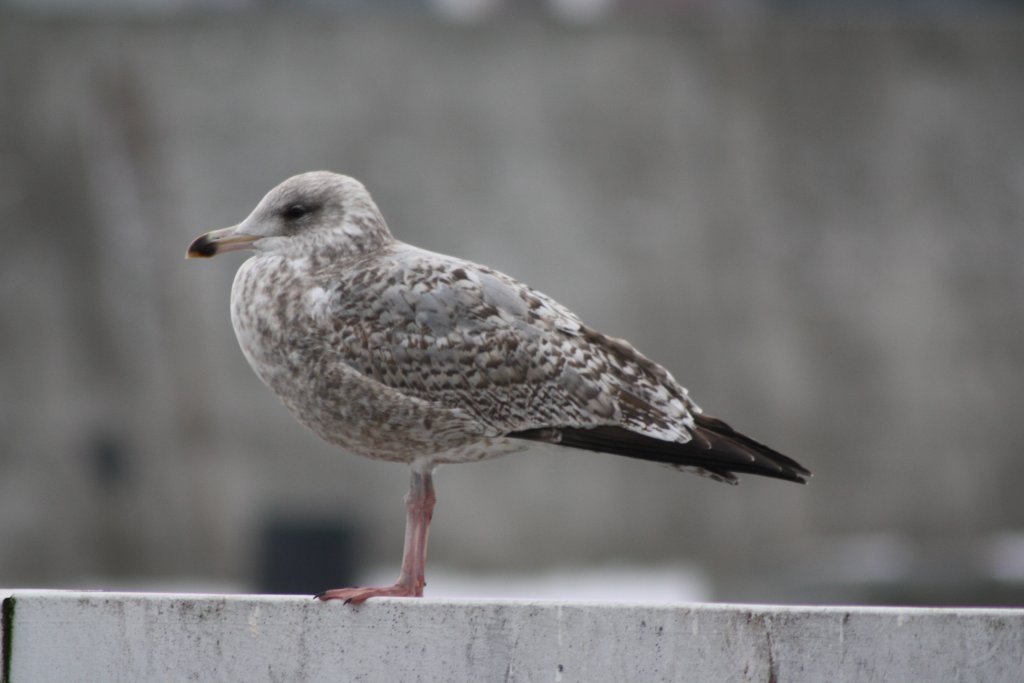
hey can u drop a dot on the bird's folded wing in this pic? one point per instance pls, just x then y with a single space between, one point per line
473 339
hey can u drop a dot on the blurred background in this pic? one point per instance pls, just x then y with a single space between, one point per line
810 212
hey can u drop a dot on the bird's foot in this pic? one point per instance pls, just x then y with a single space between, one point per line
357 596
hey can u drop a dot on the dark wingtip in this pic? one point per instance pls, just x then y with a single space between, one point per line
716 448
201 247
767 458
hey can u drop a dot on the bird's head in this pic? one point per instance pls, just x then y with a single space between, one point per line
306 211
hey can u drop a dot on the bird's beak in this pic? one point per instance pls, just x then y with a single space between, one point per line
219 241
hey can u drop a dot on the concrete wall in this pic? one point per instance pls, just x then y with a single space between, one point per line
140 637
817 228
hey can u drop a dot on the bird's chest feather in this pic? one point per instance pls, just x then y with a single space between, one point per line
304 345
282 322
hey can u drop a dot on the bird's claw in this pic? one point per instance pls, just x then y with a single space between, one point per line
357 596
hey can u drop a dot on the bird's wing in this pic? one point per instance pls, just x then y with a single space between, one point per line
473 339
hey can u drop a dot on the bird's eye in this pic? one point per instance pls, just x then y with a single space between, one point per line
294 211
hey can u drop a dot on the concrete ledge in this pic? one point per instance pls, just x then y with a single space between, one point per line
76 636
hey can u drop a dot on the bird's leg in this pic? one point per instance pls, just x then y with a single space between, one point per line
419 508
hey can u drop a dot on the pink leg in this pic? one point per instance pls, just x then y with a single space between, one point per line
419 508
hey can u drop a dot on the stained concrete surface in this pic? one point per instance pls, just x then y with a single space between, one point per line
72 636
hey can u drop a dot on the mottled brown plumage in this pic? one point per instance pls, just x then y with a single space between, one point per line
397 353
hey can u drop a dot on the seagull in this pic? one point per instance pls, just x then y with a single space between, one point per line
401 354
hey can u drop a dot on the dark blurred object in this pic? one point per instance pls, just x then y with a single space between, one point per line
306 555
110 463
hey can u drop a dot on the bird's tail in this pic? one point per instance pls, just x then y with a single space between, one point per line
716 448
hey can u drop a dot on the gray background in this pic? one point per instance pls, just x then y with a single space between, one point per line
814 224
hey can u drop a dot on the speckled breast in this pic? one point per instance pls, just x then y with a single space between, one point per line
292 344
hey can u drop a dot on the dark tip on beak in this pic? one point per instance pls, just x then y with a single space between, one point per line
201 247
